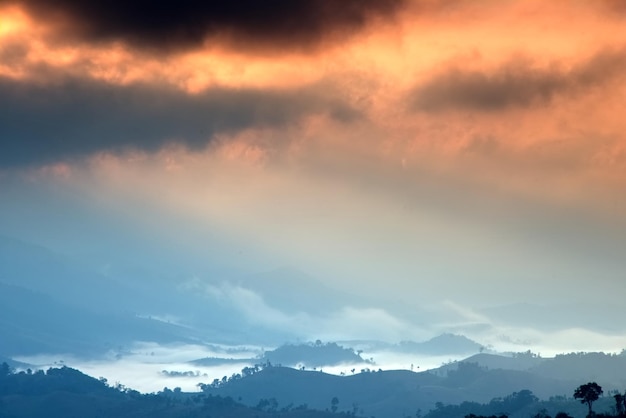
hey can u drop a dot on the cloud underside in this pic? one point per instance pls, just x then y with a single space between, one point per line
188 23
514 84
77 117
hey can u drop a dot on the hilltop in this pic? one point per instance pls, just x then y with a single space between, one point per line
68 393
397 393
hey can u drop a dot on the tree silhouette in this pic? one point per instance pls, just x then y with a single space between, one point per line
588 393
619 404
334 404
5 370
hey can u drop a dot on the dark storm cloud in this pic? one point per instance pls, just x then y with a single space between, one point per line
516 84
75 117
186 23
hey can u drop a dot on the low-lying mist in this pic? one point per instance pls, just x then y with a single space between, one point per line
150 367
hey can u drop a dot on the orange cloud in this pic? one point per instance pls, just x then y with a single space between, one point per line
549 74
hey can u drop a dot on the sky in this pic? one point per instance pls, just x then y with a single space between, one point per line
433 165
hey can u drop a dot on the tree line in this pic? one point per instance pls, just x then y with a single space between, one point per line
587 394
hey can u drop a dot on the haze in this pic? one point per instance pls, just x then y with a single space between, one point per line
388 171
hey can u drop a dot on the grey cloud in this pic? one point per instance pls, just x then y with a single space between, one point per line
75 117
187 23
515 84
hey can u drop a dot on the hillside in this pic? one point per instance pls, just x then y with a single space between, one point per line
312 355
32 322
444 344
575 367
455 390
607 368
68 393
395 393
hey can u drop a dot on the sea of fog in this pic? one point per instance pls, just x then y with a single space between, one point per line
142 366
147 367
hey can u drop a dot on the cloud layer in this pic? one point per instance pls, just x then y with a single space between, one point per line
34 117
517 84
407 154
188 23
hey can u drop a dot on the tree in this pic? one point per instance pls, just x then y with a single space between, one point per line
588 393
334 404
5 370
542 414
619 403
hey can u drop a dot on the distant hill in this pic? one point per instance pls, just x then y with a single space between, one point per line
386 393
318 354
32 323
576 367
39 269
478 379
517 361
445 344
312 355
610 369
524 404
14 364
90 284
68 393
482 385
